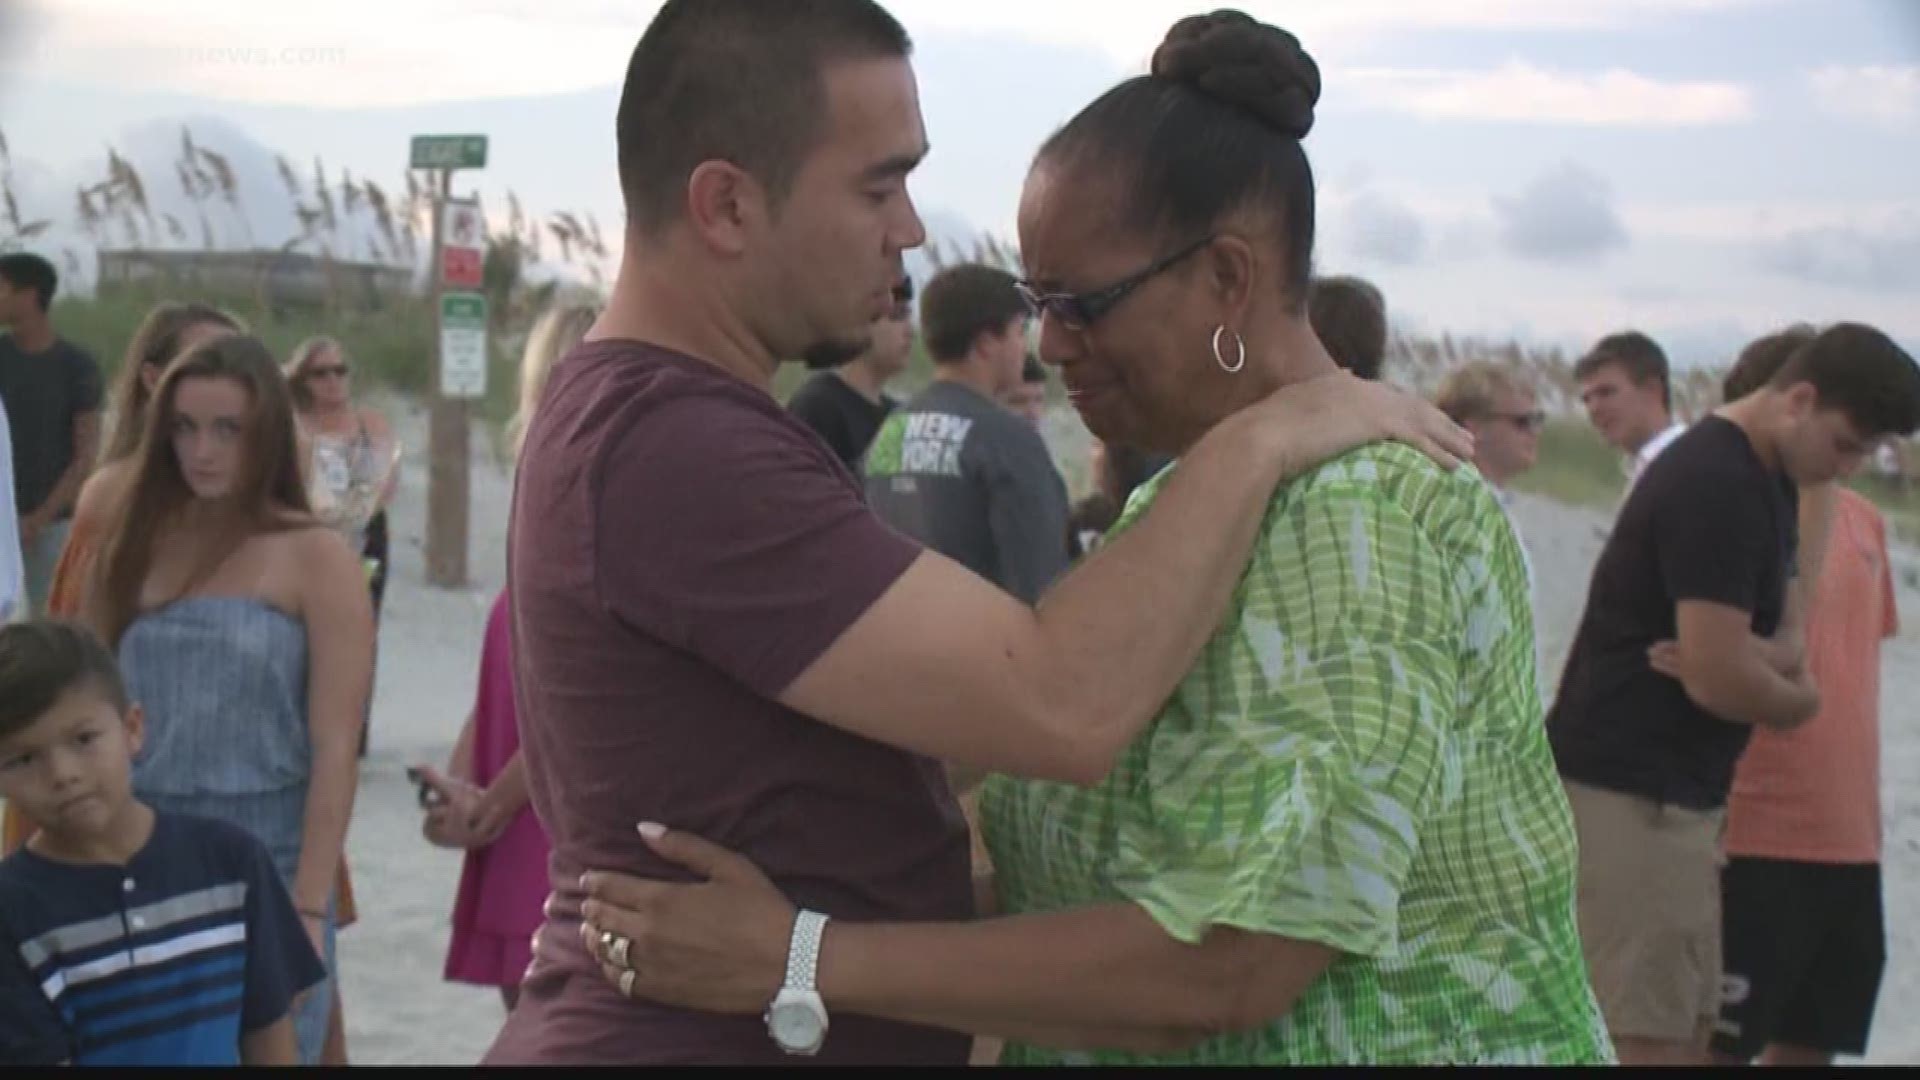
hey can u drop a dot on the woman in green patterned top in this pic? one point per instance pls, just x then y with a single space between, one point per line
1343 840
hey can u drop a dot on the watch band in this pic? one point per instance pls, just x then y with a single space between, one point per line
803 953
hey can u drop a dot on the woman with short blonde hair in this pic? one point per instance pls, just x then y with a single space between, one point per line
485 810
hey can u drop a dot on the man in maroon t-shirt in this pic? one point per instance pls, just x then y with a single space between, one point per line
710 628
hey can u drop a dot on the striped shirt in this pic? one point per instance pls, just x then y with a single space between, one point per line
167 960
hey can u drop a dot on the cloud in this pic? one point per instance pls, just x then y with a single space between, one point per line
383 53
1564 215
1879 259
1519 92
1888 95
1733 220
1129 32
344 53
1385 230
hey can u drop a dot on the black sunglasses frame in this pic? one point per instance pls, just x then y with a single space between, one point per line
1078 311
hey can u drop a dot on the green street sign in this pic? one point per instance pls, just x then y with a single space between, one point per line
465 310
449 152
463 345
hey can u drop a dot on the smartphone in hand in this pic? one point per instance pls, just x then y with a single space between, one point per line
430 796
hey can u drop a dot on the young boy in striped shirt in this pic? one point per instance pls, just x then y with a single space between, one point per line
126 937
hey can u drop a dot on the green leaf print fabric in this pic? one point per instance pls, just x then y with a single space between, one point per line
1357 759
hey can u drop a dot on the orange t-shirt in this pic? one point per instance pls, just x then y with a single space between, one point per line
1813 794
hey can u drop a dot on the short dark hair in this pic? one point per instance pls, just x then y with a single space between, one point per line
1762 359
1031 372
963 302
1349 316
42 660
735 80
1861 372
27 271
1213 130
1636 353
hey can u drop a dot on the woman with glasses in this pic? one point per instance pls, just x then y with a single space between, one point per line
1343 839
1498 405
345 438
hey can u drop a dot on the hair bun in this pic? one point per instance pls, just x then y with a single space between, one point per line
1237 60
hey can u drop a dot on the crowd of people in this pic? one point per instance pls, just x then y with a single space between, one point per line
834 730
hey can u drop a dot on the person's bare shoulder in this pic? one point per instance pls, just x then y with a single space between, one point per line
375 422
102 491
307 537
312 562
307 547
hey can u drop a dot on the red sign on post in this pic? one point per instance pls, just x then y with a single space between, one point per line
460 268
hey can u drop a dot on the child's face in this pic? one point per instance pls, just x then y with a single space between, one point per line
71 771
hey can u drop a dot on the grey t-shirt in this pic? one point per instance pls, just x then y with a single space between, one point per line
45 394
971 480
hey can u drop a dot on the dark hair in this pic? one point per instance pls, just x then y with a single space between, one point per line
963 302
154 344
735 80
1213 130
271 494
1861 372
1349 317
1762 359
42 660
1031 372
1636 353
1125 469
25 270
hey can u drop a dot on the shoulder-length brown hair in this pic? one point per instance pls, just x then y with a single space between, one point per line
152 346
269 493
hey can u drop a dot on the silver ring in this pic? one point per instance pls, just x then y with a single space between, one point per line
626 983
615 948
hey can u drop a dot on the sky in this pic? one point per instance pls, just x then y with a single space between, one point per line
1705 170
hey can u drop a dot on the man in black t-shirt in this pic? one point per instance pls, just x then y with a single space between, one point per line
51 390
845 405
1702 554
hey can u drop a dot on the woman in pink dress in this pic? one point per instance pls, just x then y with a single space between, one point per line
483 804
504 881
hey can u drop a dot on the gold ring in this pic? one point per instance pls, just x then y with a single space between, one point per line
626 983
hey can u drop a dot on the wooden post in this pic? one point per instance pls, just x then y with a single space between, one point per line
448 454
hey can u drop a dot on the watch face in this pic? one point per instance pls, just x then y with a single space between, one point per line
795 1025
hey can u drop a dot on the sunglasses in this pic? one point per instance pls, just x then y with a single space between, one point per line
337 371
1078 311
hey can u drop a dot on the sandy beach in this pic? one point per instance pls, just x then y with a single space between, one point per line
400 1011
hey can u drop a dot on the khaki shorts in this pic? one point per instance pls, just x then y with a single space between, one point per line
1650 912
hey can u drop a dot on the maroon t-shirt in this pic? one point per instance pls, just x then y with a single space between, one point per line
681 550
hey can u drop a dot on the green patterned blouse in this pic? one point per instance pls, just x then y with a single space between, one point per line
1358 759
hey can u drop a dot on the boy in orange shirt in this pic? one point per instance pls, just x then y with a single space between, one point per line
1802 924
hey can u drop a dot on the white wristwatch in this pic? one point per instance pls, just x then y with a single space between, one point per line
797 1019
